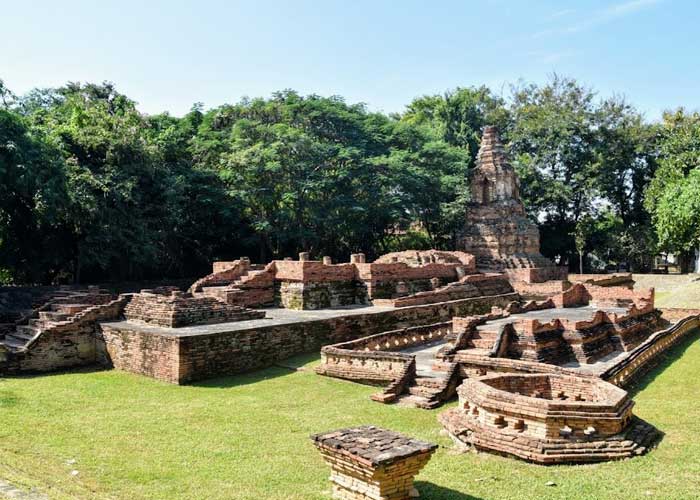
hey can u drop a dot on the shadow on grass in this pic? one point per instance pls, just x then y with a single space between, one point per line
281 369
93 368
435 492
657 366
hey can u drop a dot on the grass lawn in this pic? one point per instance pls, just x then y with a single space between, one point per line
246 437
672 290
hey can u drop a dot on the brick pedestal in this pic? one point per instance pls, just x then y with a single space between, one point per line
370 463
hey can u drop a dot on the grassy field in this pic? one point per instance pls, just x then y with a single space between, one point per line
107 434
672 290
246 437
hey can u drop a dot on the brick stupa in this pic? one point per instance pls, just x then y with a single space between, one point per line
497 230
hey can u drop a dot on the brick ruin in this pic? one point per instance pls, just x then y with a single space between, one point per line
307 284
416 323
548 418
562 351
59 333
171 308
370 463
497 230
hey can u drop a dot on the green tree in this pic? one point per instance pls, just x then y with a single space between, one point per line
671 197
32 199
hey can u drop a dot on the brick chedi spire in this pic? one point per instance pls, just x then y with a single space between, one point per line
497 230
493 179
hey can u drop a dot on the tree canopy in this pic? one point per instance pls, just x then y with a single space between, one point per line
92 190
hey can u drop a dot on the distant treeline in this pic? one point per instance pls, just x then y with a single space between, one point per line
93 190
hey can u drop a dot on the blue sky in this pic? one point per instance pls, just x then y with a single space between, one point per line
169 54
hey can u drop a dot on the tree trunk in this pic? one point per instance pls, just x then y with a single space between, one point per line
580 263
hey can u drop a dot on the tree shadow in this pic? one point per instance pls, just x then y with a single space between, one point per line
658 365
436 492
90 368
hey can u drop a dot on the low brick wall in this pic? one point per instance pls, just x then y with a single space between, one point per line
540 290
178 309
156 356
470 286
319 295
225 353
538 274
619 279
675 314
371 360
644 356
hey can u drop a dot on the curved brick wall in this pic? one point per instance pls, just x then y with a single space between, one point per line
548 418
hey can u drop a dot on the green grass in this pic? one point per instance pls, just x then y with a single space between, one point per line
685 296
246 437
672 290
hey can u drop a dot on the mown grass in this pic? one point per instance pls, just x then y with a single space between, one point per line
246 437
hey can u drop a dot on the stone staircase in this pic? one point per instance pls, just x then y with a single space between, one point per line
220 291
431 387
62 306
481 341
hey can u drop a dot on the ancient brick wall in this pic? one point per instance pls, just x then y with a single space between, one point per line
223 273
540 290
319 295
148 354
215 354
178 309
70 343
470 286
371 360
618 279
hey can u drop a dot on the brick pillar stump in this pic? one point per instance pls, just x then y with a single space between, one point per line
371 463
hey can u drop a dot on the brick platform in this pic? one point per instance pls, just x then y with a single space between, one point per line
175 309
370 463
548 418
192 353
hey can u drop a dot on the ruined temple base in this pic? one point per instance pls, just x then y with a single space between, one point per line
637 439
182 355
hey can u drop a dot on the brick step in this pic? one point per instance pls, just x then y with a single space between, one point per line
412 401
485 344
426 392
70 309
475 352
26 332
432 382
485 334
13 343
53 316
441 366
40 324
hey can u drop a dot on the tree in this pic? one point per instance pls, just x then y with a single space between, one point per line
671 197
458 116
32 199
581 235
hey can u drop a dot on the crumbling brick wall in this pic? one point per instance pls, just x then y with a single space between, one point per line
178 309
209 355
70 343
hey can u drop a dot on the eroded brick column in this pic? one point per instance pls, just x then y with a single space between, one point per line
370 463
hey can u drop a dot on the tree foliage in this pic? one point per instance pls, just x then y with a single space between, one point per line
673 195
91 189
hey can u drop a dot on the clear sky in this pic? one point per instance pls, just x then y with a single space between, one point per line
169 54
